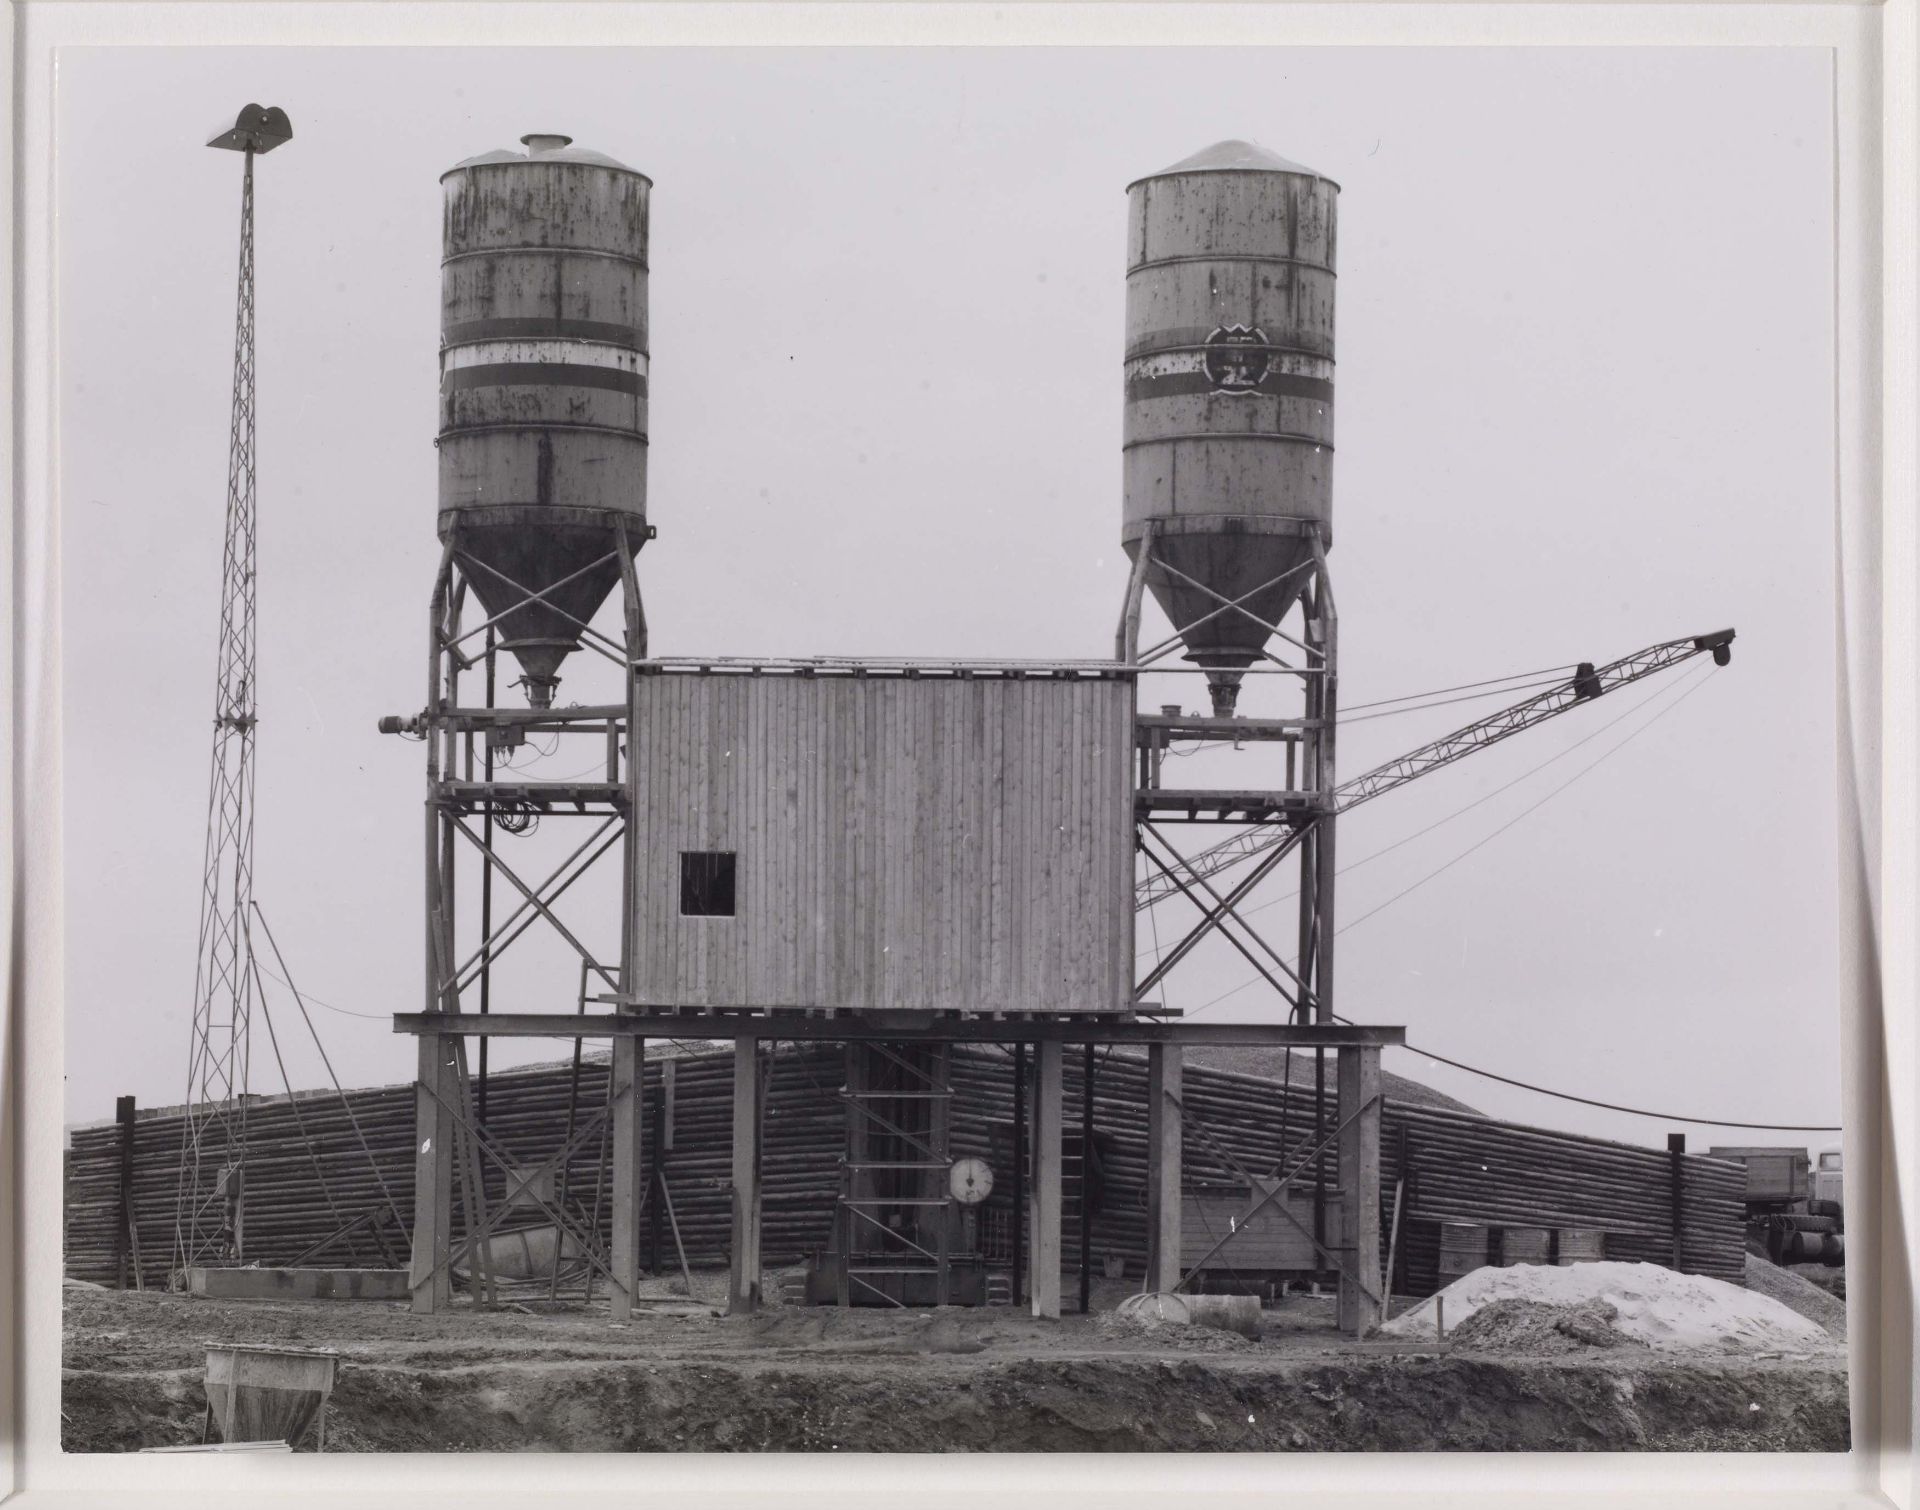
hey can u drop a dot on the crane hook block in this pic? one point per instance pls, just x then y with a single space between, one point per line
1720 643
1585 683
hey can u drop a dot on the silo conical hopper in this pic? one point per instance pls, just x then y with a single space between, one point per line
543 386
1228 442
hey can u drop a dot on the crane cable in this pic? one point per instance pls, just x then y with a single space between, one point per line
1419 702
1459 812
1447 702
1632 1111
1552 673
1482 843
1698 680
314 1001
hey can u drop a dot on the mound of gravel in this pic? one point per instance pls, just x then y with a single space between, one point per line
1833 1281
1145 1329
1531 1327
1669 1311
1797 1293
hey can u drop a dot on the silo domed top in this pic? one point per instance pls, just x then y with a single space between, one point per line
547 147
1233 157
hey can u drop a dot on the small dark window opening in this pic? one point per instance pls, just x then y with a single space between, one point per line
706 883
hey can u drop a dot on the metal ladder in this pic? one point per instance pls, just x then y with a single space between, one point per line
894 1211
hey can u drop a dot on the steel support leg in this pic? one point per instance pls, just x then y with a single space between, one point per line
743 1289
432 1275
1359 1240
1163 1166
629 1068
1045 1208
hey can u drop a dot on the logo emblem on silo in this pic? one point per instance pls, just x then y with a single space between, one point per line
1236 358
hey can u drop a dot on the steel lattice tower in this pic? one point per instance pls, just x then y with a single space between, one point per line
209 1224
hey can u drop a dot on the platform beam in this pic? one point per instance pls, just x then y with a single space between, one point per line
1089 1027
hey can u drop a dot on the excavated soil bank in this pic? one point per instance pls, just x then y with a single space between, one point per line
869 1381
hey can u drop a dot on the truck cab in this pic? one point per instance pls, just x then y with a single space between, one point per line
1827 1183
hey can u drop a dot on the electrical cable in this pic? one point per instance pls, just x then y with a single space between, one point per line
1631 1111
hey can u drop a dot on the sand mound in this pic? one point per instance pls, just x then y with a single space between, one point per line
1663 1309
1798 1293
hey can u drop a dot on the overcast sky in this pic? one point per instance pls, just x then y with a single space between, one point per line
1584 404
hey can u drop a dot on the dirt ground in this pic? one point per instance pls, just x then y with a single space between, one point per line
683 1377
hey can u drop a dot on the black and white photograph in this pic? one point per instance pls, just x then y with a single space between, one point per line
745 766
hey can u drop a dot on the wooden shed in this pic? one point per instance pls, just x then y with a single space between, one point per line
873 842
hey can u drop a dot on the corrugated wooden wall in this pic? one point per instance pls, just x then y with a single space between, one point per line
1458 1167
919 843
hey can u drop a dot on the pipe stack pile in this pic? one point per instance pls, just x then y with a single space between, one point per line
1458 1167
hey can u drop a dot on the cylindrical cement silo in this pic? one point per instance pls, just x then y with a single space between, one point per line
1229 391
543 385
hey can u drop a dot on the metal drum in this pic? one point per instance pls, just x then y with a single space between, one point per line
1228 447
543 384
1580 1245
1525 1245
1463 1248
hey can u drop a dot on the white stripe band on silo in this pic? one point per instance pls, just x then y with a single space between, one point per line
559 351
1194 359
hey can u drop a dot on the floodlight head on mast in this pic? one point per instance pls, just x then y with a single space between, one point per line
257 128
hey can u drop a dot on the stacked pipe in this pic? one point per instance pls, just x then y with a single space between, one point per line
308 1173
1492 1173
1460 1167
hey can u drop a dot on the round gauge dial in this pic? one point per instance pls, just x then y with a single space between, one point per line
971 1181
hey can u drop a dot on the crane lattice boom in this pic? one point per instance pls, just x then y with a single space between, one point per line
1587 683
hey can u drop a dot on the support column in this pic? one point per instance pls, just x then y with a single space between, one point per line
654 1200
1045 1207
1676 1194
1086 1181
1329 715
857 1181
629 1173
1022 1162
126 1247
1163 1166
933 1184
1360 1307
743 1289
431 1278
